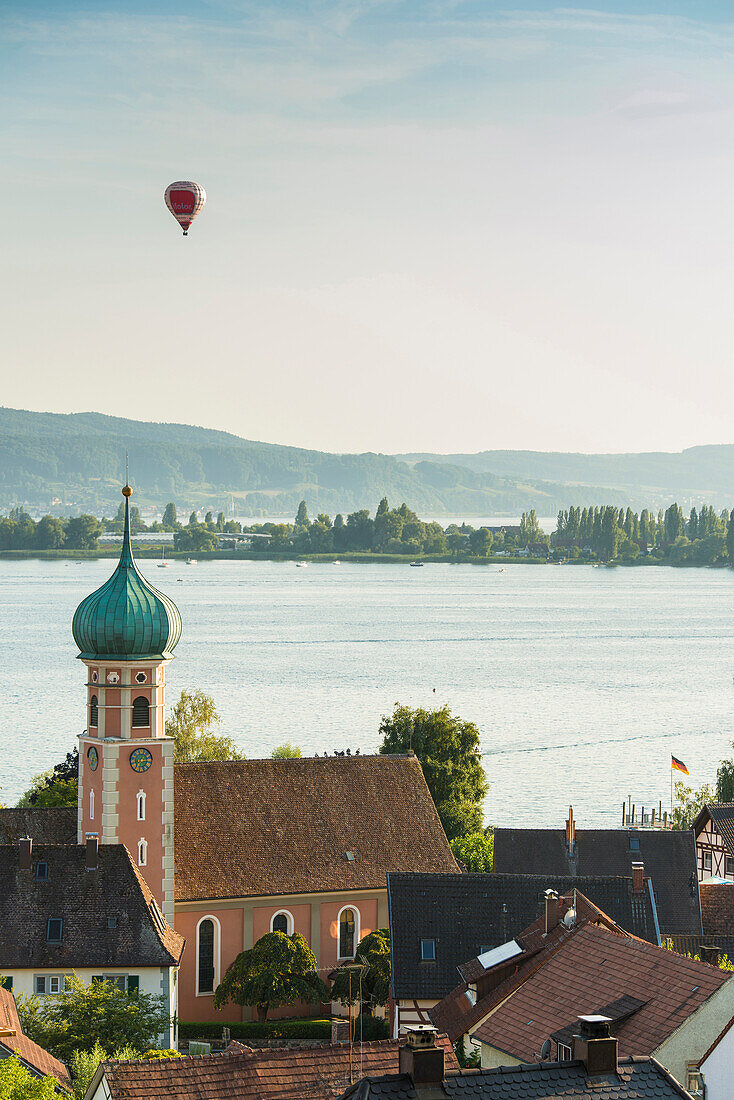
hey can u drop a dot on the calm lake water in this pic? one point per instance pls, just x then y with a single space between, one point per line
581 680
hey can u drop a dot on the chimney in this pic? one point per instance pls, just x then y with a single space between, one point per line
708 955
552 910
595 1046
570 832
421 1059
638 878
26 853
92 852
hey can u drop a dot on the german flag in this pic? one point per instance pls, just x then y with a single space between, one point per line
678 765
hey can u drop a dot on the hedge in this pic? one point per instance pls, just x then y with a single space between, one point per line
304 1028
318 1031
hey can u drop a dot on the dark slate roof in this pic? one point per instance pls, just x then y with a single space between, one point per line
669 859
617 1011
465 913
249 828
83 900
45 826
722 815
636 1079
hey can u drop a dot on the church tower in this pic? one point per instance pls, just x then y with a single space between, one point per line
126 632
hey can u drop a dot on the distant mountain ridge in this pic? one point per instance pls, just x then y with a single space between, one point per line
697 470
77 459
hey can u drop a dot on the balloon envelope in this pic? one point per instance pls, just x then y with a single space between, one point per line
185 199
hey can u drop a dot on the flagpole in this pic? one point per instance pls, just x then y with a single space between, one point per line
671 792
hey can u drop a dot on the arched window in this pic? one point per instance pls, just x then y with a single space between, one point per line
93 714
282 922
91 804
141 805
348 933
207 955
141 711
142 852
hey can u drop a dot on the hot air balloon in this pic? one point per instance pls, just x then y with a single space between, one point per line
185 199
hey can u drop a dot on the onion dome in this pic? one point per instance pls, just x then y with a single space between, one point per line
126 618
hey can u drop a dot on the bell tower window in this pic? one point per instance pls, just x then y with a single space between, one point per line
141 805
141 712
93 712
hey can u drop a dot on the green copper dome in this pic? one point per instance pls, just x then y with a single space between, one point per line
126 618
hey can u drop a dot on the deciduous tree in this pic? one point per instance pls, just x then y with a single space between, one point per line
193 724
278 970
373 987
448 749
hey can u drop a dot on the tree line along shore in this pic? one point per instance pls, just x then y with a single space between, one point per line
599 534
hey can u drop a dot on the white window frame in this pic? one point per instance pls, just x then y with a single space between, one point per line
564 1052
289 919
357 930
217 945
707 861
142 852
91 805
140 803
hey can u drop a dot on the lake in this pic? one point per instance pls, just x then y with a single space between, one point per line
581 680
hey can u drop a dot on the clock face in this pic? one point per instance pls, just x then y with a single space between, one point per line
93 758
140 760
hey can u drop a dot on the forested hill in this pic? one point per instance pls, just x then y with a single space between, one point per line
77 460
697 471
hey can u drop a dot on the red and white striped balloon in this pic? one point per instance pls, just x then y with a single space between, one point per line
185 199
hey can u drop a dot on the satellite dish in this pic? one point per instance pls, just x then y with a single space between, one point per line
570 918
545 1051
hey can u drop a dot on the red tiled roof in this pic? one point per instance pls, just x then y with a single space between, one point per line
310 1073
717 908
455 1014
18 1043
254 828
593 966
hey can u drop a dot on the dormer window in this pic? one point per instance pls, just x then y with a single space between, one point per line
42 871
634 844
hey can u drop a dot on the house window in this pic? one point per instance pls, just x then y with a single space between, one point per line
428 950
282 922
730 865
707 861
142 852
93 713
141 712
348 930
694 1080
39 984
207 955
42 871
120 981
51 984
111 923
634 844
91 804
54 928
141 805
6 982
564 1053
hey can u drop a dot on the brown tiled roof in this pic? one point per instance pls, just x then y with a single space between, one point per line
592 966
261 827
717 908
45 826
308 1073
456 1014
35 1057
83 900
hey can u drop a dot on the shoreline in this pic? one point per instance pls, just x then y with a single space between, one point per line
358 557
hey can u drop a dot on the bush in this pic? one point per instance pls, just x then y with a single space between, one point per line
475 851
370 1027
304 1028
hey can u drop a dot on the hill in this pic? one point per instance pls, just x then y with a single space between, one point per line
72 462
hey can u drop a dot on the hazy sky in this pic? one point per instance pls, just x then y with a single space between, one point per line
430 225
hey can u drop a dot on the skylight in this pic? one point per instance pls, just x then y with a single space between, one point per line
500 954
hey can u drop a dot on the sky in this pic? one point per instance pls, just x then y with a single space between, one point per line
430 225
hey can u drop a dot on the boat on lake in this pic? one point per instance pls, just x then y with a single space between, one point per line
301 565
163 564
416 565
